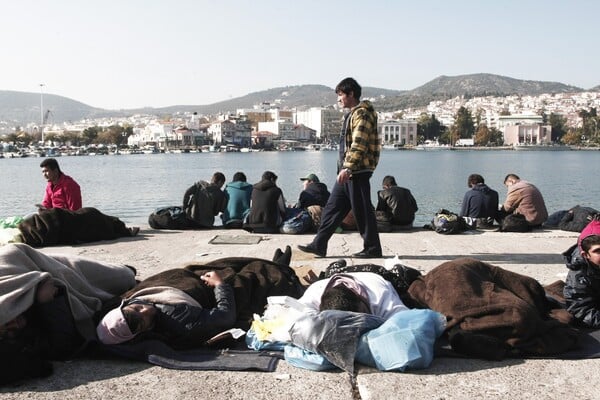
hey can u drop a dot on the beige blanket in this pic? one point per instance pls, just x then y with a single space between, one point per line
88 283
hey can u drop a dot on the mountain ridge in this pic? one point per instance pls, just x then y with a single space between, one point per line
24 107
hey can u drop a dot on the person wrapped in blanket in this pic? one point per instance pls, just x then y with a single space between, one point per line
170 314
48 307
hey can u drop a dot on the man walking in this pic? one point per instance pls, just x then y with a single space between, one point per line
359 152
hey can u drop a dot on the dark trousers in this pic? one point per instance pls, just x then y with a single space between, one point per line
353 195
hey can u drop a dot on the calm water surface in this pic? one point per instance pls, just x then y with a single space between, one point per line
133 186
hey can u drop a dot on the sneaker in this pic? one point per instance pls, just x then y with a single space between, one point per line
368 254
309 248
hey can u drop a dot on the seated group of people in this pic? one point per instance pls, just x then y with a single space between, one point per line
262 207
48 312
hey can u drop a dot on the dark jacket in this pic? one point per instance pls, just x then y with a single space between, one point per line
480 202
576 218
183 325
582 288
238 200
399 202
202 202
315 194
267 211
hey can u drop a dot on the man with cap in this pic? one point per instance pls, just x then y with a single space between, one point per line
171 315
315 193
306 213
582 286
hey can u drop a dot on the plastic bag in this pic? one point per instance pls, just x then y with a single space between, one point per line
405 341
301 358
271 330
333 334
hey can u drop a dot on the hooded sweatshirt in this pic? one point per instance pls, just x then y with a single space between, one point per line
268 208
582 286
238 200
480 202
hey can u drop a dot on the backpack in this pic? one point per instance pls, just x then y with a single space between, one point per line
448 223
198 204
515 223
168 218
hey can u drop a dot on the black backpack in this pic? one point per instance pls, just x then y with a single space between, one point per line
515 223
168 218
448 223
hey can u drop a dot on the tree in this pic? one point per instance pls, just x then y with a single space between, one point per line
90 134
482 136
572 137
463 126
429 127
589 123
559 126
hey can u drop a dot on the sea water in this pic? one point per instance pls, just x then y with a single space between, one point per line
133 186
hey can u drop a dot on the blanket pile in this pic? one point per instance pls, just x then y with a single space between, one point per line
57 226
492 312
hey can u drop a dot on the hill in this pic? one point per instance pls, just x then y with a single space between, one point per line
474 85
299 97
19 108
23 107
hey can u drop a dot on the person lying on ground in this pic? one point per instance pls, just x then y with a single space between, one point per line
48 305
364 292
170 315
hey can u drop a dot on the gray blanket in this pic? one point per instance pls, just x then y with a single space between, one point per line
87 283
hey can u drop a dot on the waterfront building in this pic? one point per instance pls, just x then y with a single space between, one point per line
264 113
151 134
235 130
401 131
326 122
518 119
527 134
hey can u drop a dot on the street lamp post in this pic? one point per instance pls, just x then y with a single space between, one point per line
42 111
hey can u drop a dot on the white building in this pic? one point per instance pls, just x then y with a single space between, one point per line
153 133
518 119
402 131
527 134
326 122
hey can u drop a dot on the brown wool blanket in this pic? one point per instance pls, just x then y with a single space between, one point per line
57 226
87 283
481 298
252 279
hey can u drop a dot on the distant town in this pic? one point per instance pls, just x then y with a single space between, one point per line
543 120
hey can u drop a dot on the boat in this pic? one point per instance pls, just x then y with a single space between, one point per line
393 146
432 145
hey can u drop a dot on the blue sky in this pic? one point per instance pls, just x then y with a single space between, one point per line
135 53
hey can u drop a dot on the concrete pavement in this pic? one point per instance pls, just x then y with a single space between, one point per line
536 254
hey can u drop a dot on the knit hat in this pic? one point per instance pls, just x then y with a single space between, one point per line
310 177
593 228
113 328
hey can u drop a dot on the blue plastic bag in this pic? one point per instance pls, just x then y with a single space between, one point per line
301 358
405 341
